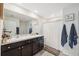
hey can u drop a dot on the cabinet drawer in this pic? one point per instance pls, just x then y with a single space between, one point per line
28 41
5 47
12 45
12 52
19 43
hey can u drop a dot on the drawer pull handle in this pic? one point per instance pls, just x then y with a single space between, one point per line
19 48
29 41
9 47
22 47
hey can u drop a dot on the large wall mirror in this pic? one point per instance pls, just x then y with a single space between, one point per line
16 24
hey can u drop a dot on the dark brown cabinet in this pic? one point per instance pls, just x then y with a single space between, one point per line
38 44
41 42
27 50
12 52
23 48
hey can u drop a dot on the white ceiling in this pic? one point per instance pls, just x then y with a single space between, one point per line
45 9
8 13
42 10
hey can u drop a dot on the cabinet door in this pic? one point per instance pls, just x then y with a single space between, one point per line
12 52
41 40
27 50
36 45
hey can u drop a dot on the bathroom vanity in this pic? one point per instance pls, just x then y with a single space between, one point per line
23 46
20 36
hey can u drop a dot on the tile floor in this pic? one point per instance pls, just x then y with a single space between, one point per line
46 53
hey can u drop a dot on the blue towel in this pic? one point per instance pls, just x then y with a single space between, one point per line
64 36
73 36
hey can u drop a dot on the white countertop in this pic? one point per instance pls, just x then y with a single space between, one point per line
20 38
